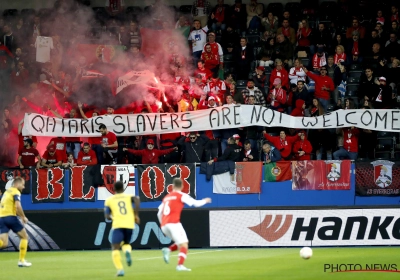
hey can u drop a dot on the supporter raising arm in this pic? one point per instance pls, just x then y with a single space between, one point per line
150 155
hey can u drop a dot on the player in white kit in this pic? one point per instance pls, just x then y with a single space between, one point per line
169 215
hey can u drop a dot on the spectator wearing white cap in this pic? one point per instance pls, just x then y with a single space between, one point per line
382 97
277 96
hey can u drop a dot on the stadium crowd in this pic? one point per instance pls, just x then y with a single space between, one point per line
299 61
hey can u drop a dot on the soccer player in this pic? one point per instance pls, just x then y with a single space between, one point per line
10 207
118 208
169 215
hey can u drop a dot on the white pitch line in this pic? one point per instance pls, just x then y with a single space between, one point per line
177 255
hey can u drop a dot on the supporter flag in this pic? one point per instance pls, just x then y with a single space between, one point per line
321 175
277 171
245 180
135 78
48 185
114 173
378 178
97 52
7 176
155 181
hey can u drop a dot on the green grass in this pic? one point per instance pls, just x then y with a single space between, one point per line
210 264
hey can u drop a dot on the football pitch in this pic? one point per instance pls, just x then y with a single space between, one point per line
208 264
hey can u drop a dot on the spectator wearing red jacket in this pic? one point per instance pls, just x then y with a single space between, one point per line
282 142
109 143
50 158
323 86
280 73
61 147
86 156
302 147
277 96
150 155
202 71
211 60
350 144
299 110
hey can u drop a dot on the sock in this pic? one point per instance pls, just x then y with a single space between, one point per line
23 247
173 247
127 247
116 257
182 255
1 243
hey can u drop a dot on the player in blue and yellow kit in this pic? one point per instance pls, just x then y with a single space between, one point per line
10 208
119 209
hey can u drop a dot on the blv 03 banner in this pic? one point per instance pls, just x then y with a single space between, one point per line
155 181
321 175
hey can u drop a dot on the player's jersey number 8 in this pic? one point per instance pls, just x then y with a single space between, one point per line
122 208
166 209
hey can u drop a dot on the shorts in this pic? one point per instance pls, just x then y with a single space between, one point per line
10 222
175 232
121 235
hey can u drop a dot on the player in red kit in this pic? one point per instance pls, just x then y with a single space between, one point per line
169 215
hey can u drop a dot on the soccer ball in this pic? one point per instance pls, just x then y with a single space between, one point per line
306 253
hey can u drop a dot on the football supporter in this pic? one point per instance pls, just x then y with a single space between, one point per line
9 210
150 155
86 156
211 60
61 147
70 162
350 144
248 153
270 154
302 147
109 143
232 152
202 71
217 87
193 149
50 158
28 155
323 86
118 208
169 216
215 48
282 142
22 138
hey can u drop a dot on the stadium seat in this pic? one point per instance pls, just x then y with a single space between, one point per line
254 40
241 83
135 10
10 13
305 61
352 87
185 9
275 8
229 64
353 80
350 93
328 10
355 74
355 67
27 12
228 57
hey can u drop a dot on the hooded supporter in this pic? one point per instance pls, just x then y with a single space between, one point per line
299 110
150 155
302 147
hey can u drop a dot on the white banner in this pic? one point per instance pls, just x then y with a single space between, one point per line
217 118
333 227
